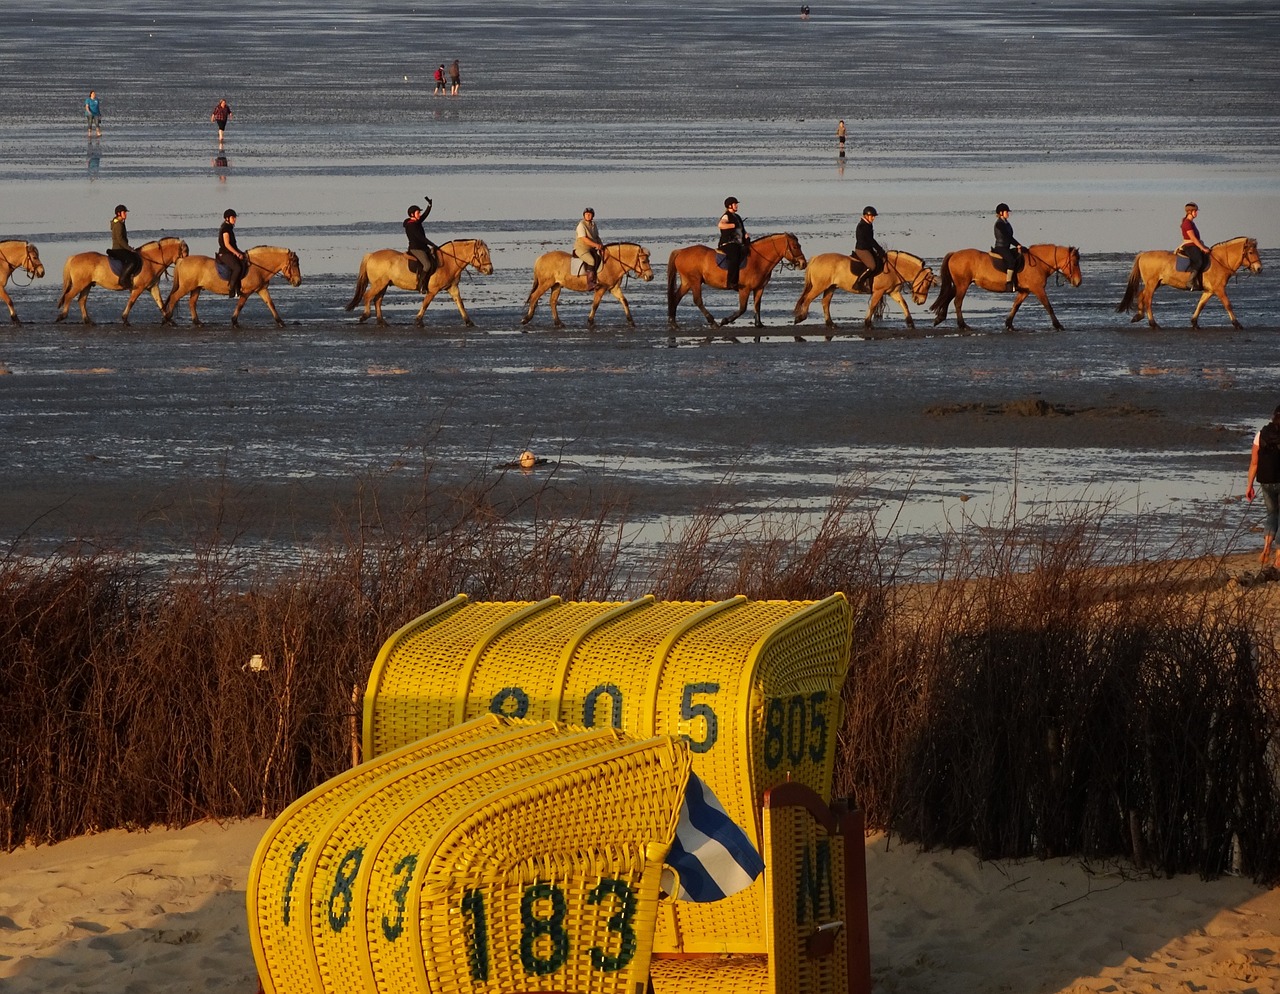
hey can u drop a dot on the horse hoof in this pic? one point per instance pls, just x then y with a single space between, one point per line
1235 324
363 319
798 338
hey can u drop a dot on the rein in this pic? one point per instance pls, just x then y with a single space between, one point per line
27 265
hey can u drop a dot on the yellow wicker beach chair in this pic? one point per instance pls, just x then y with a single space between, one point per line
753 687
501 857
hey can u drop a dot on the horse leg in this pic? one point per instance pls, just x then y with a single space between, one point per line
616 290
872 303
696 290
84 306
896 294
456 293
266 299
532 304
827 296
553 302
1018 297
802 304
957 301
597 295
169 302
13 315
758 294
419 319
191 302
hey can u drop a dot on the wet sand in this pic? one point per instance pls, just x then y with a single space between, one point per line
652 114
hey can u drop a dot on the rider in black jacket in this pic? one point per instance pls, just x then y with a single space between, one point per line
1007 246
421 247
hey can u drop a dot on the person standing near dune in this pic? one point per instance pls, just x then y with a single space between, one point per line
1264 469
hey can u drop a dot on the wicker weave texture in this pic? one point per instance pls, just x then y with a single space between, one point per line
753 687
551 838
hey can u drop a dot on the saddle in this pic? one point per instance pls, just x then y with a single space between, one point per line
723 261
116 262
1181 264
997 260
576 266
224 271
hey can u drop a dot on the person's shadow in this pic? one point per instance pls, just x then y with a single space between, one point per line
221 167
94 164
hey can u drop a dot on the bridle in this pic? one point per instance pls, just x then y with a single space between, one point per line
28 264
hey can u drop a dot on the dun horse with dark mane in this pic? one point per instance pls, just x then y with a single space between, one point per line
977 266
87 269
390 267
830 271
1153 269
17 255
552 272
200 272
689 269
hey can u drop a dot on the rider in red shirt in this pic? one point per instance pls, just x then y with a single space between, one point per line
1196 251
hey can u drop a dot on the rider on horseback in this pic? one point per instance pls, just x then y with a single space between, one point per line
421 248
586 242
229 254
1007 247
1196 251
130 261
733 241
867 250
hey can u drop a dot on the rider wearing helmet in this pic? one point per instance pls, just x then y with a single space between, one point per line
1196 251
229 253
733 241
421 248
586 245
130 261
867 250
1007 247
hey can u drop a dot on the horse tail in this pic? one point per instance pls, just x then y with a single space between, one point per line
946 292
1131 289
362 284
66 286
672 275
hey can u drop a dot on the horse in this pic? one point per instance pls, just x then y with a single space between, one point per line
380 269
16 255
695 266
829 271
200 272
1157 267
960 269
552 272
86 269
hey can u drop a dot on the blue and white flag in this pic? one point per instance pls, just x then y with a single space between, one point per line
711 855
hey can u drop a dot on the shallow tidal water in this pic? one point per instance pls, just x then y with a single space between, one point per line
1085 119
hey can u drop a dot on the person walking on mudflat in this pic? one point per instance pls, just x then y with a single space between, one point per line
93 113
220 116
587 245
1196 251
229 253
421 248
439 90
841 133
455 78
130 261
1264 469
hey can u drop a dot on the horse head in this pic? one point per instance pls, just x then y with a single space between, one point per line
35 268
480 258
1071 268
792 254
1251 258
921 284
292 270
641 265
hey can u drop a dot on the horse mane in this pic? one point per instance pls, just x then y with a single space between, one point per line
1231 241
157 241
910 255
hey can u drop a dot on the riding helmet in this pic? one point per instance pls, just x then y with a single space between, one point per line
1193 206
730 201
588 210
121 209
228 214
870 210
1002 208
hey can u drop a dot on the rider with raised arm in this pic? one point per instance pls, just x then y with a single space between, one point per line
1196 251
130 261
867 250
421 248
733 241
1007 247
587 245
229 253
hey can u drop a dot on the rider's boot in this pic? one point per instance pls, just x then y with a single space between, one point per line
592 283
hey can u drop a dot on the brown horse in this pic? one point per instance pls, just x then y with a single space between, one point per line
385 267
829 271
960 269
199 272
552 272
1154 268
86 269
13 256
695 266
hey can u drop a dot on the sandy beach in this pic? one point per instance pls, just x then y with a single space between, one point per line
136 913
